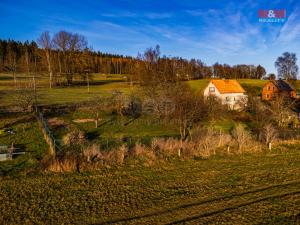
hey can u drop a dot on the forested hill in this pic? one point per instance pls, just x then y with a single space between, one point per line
29 56
66 54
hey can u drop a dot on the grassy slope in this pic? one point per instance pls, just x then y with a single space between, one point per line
248 84
101 85
190 190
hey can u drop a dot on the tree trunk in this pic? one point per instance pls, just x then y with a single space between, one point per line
270 145
27 62
49 67
96 120
15 78
88 82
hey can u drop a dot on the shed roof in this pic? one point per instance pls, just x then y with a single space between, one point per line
283 85
228 86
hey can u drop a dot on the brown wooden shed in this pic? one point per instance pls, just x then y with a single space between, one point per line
274 88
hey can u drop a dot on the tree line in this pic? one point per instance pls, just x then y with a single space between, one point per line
66 56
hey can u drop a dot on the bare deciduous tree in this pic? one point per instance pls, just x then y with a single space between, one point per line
12 61
99 104
281 108
188 109
46 43
287 66
269 134
68 44
118 101
241 136
25 99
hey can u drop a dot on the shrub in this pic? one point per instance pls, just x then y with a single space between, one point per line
269 134
171 147
91 158
243 139
209 140
91 153
166 147
74 137
66 163
115 156
143 153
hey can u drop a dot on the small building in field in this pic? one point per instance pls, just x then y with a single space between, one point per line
275 88
230 92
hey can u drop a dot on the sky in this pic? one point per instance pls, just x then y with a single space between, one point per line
211 30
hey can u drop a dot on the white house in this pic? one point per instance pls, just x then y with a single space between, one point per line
230 92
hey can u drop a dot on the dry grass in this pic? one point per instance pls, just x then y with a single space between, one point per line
91 158
74 137
204 143
115 156
67 163
144 154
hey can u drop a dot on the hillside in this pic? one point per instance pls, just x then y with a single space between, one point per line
100 85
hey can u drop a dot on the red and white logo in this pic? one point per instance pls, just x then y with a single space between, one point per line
280 13
272 15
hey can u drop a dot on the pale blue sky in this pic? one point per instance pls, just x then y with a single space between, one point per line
213 31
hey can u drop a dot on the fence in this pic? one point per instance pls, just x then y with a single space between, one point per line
7 153
48 135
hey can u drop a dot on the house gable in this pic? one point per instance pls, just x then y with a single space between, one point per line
268 90
211 89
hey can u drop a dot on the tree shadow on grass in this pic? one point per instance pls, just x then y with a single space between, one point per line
8 169
92 135
91 83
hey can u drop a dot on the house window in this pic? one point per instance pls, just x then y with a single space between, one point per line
269 88
211 89
267 95
227 99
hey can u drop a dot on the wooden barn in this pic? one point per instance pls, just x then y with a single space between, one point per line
274 88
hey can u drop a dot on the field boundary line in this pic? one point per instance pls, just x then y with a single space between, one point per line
47 133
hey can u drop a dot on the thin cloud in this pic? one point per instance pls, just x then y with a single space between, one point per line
291 29
127 14
158 15
122 14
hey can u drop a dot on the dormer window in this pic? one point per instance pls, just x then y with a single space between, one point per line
211 89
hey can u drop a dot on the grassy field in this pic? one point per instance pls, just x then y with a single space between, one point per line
101 85
249 85
261 188
248 189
